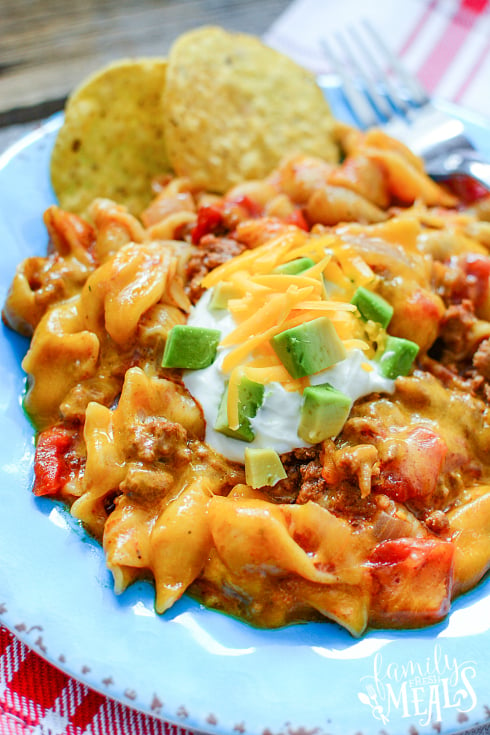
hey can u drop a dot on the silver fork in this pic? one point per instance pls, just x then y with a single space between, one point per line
380 92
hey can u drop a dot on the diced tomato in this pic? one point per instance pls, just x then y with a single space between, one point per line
467 189
223 216
209 220
397 551
412 581
297 218
418 317
252 208
411 462
477 270
51 464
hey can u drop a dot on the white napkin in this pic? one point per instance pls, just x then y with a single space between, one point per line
445 43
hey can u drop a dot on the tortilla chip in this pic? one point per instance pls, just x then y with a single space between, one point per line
112 141
235 107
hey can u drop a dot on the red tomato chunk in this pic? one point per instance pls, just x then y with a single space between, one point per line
209 219
412 581
411 464
52 465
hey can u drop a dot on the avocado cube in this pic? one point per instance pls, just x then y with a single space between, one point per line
222 293
309 347
190 347
250 397
263 466
372 306
323 413
397 357
293 267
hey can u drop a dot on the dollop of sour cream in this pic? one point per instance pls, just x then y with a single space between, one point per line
276 422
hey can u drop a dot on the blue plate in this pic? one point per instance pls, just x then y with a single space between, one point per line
192 666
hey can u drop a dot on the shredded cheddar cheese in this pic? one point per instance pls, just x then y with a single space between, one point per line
238 354
272 313
367 367
262 259
264 302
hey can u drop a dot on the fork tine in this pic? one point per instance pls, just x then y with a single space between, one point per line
375 84
357 100
393 103
439 139
417 94
369 82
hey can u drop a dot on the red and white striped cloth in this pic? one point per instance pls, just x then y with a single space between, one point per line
447 44
38 699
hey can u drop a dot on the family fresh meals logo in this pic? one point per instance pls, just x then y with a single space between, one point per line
419 690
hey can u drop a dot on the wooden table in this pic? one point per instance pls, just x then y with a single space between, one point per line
48 46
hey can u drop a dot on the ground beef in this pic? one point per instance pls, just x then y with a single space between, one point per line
437 522
212 251
481 359
145 485
295 463
157 438
313 486
456 328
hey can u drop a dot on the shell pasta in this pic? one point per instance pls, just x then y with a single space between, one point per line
382 518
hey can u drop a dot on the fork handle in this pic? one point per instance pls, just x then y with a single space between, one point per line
468 163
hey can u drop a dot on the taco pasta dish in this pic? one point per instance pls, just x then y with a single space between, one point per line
276 398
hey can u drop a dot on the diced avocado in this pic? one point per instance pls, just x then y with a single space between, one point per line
190 347
372 306
263 467
323 413
309 347
397 357
293 267
222 293
250 397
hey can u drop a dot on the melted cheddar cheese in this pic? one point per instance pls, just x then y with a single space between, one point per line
380 525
